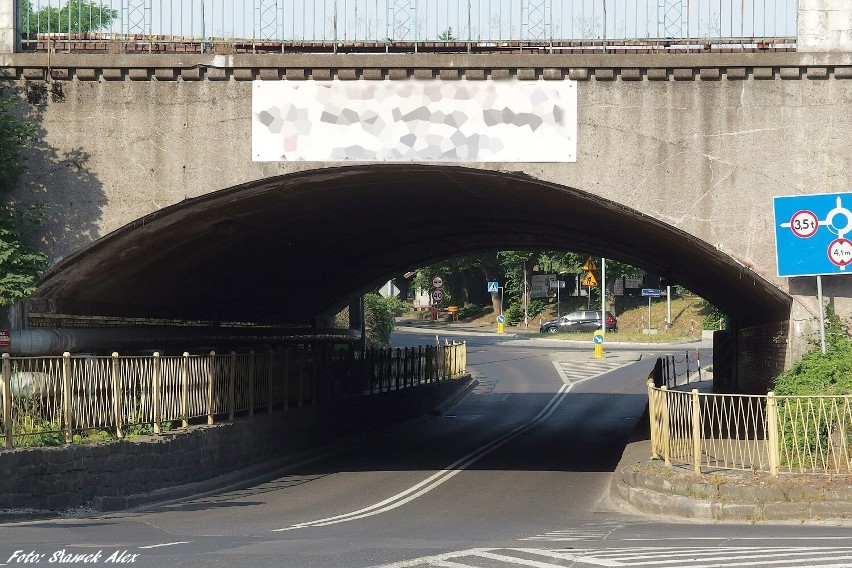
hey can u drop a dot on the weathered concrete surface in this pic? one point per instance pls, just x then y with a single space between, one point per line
701 148
8 34
825 26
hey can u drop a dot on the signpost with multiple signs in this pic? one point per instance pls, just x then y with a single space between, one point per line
810 239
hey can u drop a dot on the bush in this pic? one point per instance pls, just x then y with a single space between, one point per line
535 308
713 317
515 314
470 311
807 428
379 314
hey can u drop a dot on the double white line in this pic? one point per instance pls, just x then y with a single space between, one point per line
439 477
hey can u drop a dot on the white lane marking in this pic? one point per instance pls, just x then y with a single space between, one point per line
441 476
166 544
735 538
492 554
535 563
637 557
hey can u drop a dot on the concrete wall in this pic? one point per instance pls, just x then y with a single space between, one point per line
114 475
825 26
8 27
703 149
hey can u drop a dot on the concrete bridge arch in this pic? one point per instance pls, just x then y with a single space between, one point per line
280 250
698 144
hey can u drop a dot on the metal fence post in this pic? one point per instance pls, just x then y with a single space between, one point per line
269 382
211 365
696 432
652 416
66 397
118 403
666 432
184 390
251 384
156 392
232 375
7 401
772 434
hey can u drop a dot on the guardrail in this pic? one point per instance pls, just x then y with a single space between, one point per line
768 434
50 400
276 25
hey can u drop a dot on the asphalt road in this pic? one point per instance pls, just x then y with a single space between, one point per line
516 474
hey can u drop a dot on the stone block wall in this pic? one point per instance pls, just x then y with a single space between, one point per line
56 478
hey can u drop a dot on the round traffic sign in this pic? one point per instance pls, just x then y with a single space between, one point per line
437 295
804 223
501 319
598 338
840 252
437 282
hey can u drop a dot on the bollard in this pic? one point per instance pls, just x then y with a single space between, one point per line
598 340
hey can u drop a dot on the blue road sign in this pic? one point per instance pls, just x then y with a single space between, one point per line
501 319
598 338
810 234
493 287
652 292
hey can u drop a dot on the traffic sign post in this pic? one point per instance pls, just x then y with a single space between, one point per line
810 239
501 322
651 293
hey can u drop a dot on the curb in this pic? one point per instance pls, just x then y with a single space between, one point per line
649 487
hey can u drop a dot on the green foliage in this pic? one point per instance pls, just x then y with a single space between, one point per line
535 308
818 373
92 436
470 311
515 313
379 314
75 17
713 318
21 263
815 374
15 135
447 35
31 432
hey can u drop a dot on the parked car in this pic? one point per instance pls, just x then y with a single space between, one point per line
580 320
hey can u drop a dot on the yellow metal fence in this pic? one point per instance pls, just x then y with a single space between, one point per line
49 400
771 434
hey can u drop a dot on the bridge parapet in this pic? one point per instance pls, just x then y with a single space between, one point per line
681 67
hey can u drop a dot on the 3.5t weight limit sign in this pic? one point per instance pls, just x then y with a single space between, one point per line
804 224
810 234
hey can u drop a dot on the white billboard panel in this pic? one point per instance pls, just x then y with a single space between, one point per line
414 121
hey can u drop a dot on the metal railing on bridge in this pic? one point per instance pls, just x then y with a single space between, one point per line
550 26
55 400
768 434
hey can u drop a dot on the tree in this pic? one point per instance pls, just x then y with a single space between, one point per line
76 16
21 263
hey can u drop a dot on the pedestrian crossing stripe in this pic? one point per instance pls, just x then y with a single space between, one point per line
592 531
670 557
576 371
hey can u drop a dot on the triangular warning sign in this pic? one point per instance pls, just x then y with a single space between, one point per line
589 280
589 265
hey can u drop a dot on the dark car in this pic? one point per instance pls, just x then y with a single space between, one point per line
580 320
